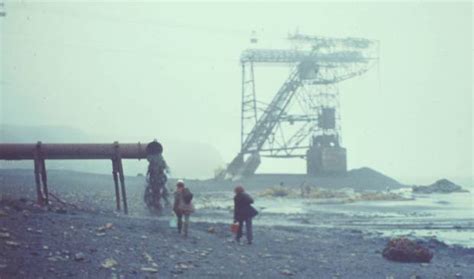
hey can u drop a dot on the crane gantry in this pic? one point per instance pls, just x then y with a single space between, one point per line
312 84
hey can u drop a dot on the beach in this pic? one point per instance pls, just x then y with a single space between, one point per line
86 238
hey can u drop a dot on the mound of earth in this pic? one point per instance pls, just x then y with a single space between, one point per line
363 179
440 186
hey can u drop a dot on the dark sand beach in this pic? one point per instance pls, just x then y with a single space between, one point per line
90 240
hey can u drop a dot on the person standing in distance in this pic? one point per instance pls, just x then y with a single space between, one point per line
183 206
243 213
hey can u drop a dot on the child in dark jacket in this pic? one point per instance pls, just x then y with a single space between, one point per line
243 213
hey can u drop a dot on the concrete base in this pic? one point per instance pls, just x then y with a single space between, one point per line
326 161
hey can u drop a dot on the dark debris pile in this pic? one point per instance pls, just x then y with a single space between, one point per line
406 250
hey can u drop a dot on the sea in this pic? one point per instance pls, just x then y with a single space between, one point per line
446 217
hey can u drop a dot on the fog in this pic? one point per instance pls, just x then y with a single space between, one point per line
132 72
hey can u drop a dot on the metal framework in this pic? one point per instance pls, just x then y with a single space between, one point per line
305 103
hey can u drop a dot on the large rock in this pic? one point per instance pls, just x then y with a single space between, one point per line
440 186
406 250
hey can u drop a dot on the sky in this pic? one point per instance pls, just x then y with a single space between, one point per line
138 71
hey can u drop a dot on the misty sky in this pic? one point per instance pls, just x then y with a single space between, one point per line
138 71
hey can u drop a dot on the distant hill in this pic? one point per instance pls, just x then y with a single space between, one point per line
186 158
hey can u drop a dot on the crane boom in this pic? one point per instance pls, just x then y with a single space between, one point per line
264 127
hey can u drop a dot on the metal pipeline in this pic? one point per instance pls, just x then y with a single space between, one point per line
40 152
66 151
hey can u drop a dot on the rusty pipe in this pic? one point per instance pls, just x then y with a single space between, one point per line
64 151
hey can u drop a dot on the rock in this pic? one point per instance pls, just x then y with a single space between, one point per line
440 186
177 271
105 227
286 272
3 213
57 258
61 211
149 269
79 256
26 213
211 230
109 263
182 266
147 257
405 250
4 235
12 243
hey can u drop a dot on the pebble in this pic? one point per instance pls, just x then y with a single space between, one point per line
109 263
79 256
4 235
12 243
149 269
57 258
105 227
286 272
61 211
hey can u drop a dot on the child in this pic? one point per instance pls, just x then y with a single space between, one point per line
183 206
